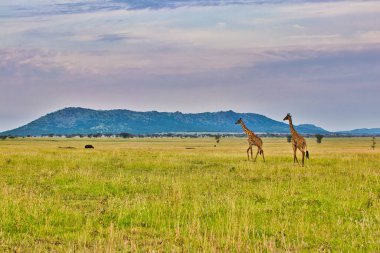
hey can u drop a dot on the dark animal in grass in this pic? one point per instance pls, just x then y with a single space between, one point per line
88 146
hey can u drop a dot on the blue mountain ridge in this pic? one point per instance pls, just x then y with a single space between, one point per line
75 120
361 131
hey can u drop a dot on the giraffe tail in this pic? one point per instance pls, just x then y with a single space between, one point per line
307 154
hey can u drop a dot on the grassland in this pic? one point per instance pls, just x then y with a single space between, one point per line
185 195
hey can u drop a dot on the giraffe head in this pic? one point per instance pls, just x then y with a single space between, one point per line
239 121
288 117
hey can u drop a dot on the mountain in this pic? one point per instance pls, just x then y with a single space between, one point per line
87 121
361 131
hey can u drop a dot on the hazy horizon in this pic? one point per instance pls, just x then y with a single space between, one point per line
319 60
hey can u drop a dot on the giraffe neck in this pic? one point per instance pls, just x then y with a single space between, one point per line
292 130
246 130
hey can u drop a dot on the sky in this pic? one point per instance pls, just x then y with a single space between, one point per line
319 60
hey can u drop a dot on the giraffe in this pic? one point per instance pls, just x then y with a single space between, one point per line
253 140
297 141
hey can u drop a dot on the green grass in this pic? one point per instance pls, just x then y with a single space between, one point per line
185 195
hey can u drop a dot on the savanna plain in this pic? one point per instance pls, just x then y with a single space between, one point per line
187 195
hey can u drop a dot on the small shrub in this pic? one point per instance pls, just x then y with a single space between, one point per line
126 135
289 138
373 146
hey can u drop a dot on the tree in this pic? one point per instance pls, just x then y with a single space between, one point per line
319 138
97 135
126 135
373 143
289 138
217 138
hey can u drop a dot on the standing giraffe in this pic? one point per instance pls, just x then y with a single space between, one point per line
253 140
297 141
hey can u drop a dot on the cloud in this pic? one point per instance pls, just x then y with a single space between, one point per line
11 61
112 37
299 27
370 36
24 8
299 56
115 37
329 8
184 40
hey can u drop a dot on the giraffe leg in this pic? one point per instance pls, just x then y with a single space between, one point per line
262 152
295 154
258 151
303 158
248 151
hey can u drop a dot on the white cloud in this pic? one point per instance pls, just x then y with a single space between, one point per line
299 27
370 36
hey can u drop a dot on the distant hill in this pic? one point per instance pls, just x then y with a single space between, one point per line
362 131
87 121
